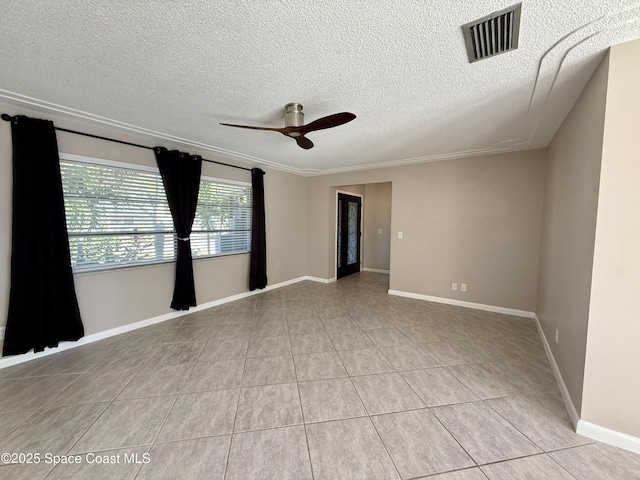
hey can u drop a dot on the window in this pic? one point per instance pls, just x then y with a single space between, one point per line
118 215
223 219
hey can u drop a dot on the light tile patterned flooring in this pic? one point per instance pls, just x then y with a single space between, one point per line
309 381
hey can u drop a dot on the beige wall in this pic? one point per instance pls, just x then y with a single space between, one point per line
474 220
115 298
571 199
377 216
355 189
286 220
612 368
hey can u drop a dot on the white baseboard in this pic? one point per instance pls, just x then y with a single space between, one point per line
582 427
611 437
571 409
461 303
280 285
375 270
320 280
25 357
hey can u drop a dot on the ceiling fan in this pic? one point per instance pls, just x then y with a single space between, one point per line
295 128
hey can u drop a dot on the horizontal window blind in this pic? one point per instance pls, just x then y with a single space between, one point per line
120 217
223 219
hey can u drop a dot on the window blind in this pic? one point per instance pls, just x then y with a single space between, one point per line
119 216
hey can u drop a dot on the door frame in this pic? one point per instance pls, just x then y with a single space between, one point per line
335 230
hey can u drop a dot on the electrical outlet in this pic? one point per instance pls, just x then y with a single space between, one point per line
557 335
463 287
379 231
454 286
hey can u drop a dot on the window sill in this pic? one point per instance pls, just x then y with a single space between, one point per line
118 268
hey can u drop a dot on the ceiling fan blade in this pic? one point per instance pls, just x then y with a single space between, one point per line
303 142
281 130
298 132
328 122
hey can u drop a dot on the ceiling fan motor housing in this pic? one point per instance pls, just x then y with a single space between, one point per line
293 116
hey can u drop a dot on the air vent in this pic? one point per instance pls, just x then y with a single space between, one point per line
494 34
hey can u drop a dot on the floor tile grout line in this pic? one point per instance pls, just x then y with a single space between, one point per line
103 412
457 377
519 457
235 417
304 425
32 413
542 451
140 466
507 460
562 466
571 447
87 429
338 356
423 400
353 385
115 398
45 405
155 438
386 449
453 436
455 470
497 412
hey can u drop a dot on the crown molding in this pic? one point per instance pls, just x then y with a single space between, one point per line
23 101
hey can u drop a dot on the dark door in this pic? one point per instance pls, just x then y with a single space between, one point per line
349 215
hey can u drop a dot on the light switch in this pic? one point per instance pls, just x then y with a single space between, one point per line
400 235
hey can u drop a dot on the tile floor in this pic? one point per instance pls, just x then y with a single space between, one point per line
309 381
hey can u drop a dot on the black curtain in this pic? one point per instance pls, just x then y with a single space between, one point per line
181 177
258 268
43 308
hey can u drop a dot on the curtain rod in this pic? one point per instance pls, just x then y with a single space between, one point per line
9 118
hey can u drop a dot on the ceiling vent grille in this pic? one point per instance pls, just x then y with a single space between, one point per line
494 34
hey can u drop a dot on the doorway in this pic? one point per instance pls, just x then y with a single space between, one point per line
348 234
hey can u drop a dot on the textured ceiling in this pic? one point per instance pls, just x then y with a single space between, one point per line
175 69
